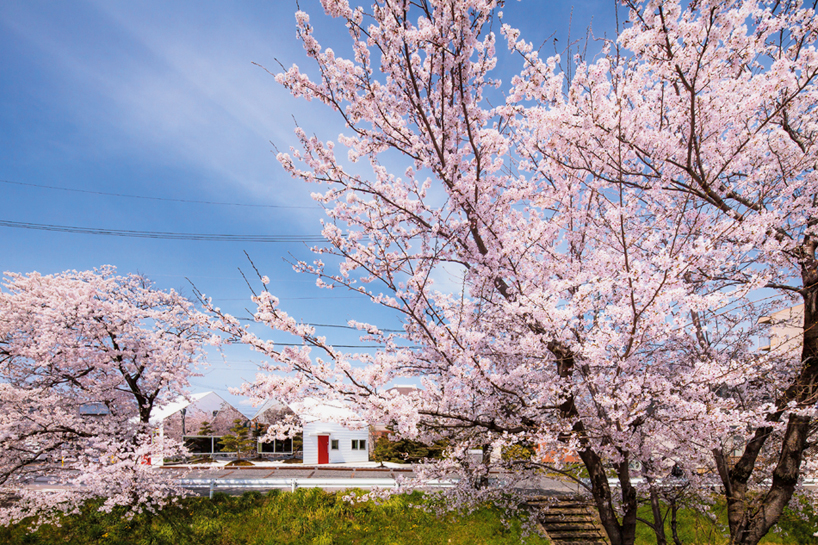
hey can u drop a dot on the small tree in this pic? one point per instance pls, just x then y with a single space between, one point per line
205 429
238 440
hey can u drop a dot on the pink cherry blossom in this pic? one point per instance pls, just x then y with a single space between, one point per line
87 358
616 231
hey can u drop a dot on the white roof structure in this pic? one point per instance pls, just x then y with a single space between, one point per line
315 410
273 404
205 402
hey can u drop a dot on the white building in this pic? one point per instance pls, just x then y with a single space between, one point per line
786 330
332 433
270 413
188 418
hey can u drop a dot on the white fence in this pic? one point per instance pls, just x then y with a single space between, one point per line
294 483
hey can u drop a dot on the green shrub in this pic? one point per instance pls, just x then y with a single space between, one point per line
518 451
404 450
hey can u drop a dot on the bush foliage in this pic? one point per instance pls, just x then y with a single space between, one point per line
405 451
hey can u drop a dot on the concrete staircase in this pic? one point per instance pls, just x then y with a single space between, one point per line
569 521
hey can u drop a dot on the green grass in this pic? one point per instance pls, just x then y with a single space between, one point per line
696 527
311 516
305 517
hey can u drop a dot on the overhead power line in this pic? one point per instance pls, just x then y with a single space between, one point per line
166 199
355 328
333 325
342 345
285 298
163 234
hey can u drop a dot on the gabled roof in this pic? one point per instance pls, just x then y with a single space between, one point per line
271 412
273 404
94 408
205 401
314 410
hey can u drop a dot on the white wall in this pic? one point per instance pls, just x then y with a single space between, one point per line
787 330
335 431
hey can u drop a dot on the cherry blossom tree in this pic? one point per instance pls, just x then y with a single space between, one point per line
715 106
611 232
85 359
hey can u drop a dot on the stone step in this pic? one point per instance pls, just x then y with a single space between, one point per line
583 543
574 526
574 534
560 505
569 522
564 524
551 515
557 513
562 539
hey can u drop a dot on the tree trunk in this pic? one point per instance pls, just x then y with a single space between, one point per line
658 520
751 520
623 533
629 502
674 508
619 534
760 516
482 478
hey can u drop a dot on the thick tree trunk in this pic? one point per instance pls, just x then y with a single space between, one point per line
623 533
602 495
629 502
619 534
750 520
759 517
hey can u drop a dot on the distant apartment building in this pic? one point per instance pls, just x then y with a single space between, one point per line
785 335
786 330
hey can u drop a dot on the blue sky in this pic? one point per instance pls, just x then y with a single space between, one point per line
161 100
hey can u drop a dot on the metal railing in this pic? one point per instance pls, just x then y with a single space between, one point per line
295 483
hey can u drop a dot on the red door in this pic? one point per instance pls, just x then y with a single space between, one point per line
323 449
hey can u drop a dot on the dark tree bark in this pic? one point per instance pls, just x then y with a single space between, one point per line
751 518
658 525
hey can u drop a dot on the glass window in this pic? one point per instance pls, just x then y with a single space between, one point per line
198 444
285 445
358 444
278 446
335 444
